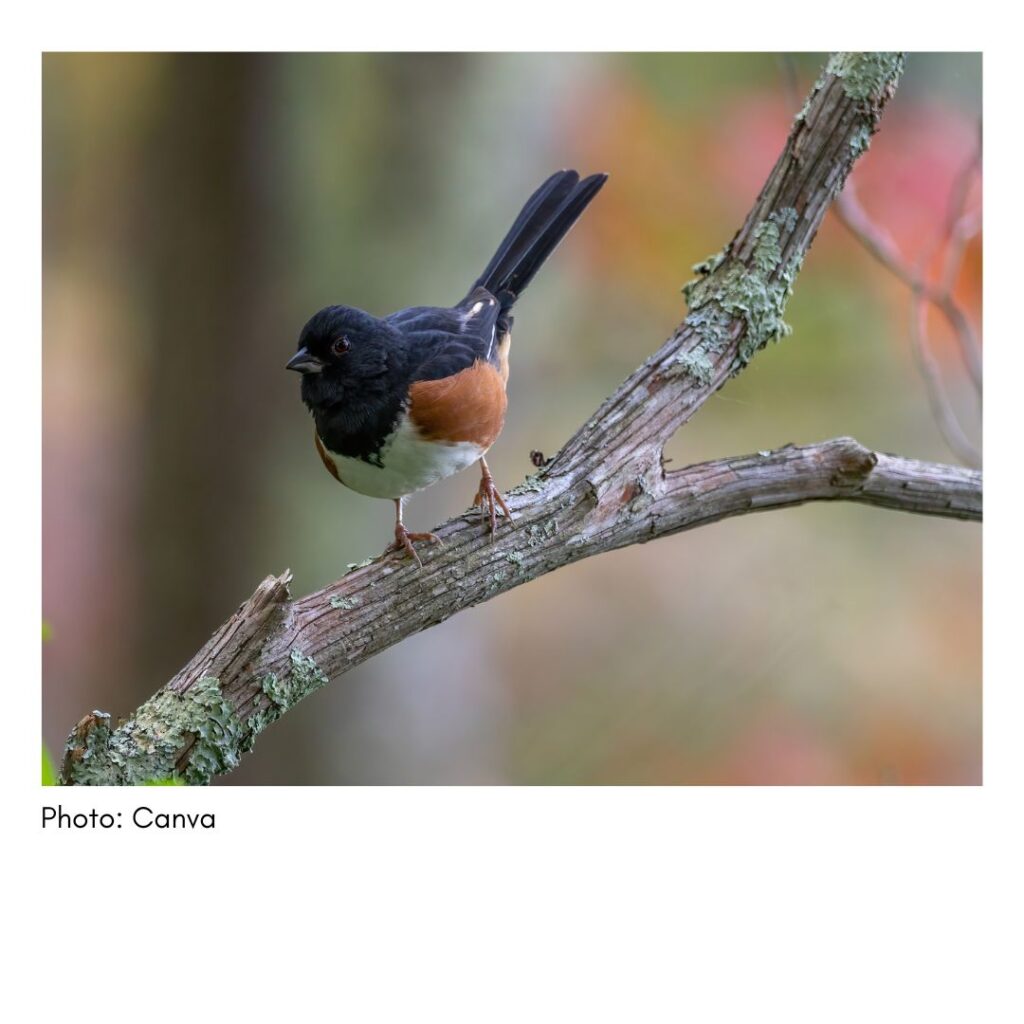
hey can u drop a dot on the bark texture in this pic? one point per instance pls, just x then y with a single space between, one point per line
606 489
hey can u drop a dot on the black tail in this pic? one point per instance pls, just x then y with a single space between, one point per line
544 221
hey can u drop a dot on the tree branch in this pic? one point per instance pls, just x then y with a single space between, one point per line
606 489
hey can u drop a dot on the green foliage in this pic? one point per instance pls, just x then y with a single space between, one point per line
174 780
50 777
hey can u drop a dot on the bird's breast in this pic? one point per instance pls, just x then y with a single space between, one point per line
406 462
445 426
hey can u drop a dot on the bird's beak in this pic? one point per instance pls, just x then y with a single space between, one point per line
304 362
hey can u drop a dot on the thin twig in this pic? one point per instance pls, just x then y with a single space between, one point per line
606 489
960 227
942 412
957 230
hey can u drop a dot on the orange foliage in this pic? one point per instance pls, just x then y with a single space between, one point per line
683 182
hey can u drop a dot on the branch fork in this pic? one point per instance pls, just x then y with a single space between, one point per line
607 488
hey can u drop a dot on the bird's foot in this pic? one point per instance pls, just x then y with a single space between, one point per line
404 541
488 497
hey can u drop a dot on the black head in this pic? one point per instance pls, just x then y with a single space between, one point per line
344 354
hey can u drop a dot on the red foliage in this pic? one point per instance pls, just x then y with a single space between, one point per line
683 181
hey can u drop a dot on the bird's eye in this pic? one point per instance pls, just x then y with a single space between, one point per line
340 345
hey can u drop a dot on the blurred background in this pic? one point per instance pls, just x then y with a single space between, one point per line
199 208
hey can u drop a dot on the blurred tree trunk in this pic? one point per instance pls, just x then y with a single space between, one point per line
213 186
205 246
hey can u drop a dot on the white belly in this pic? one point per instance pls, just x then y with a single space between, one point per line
410 464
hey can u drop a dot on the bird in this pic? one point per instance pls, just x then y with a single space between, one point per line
402 401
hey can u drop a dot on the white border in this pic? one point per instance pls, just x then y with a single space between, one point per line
516 904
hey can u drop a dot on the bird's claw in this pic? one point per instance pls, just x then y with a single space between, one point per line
488 497
404 541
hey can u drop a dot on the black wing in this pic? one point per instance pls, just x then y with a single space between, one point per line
441 342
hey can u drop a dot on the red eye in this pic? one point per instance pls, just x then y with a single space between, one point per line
340 345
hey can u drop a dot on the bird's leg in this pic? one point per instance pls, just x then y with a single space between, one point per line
404 539
488 497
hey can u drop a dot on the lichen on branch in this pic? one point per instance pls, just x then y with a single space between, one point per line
754 293
146 747
738 299
867 76
607 488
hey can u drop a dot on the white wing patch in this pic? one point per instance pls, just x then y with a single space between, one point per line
473 312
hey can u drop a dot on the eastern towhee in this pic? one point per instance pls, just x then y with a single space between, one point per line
404 400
